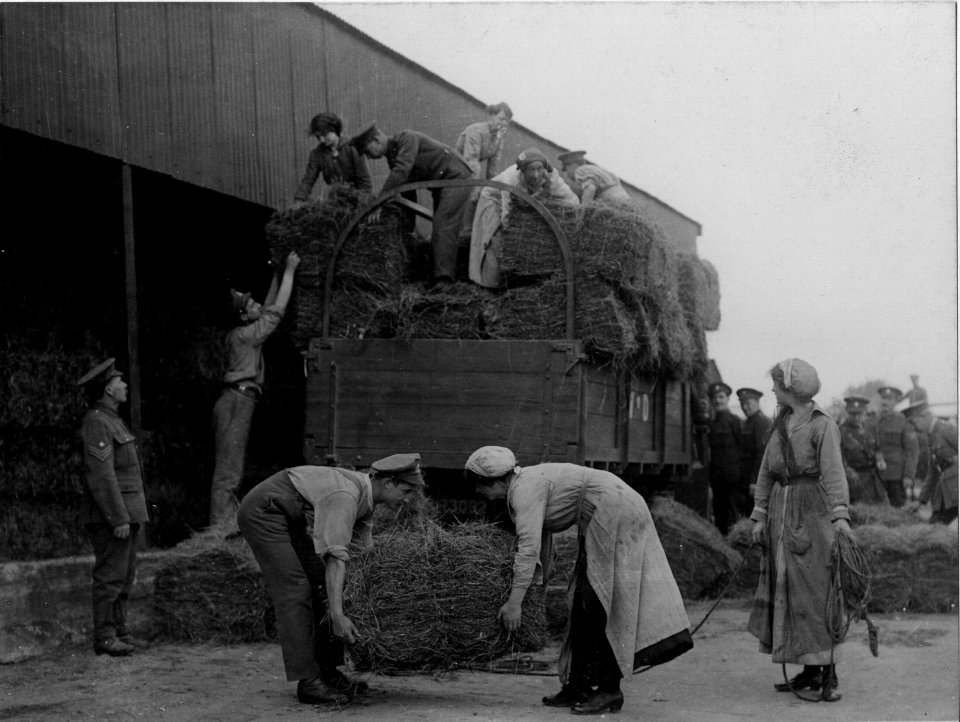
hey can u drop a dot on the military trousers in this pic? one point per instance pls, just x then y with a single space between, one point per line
277 524
449 205
114 571
232 417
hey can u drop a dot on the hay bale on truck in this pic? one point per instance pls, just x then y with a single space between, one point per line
602 379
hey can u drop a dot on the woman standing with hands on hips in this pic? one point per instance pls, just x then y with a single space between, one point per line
800 506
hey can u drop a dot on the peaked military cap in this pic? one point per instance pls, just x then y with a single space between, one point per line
856 403
401 467
890 392
366 134
101 373
746 393
572 156
719 386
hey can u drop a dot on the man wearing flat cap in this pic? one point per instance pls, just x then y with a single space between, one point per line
300 524
593 182
898 444
753 440
725 447
861 454
412 157
114 506
242 388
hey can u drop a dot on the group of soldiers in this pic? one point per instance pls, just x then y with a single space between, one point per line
904 456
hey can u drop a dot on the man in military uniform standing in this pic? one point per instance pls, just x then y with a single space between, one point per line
114 507
939 485
725 433
861 454
753 441
412 157
898 444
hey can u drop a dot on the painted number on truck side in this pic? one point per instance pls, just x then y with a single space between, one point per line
640 404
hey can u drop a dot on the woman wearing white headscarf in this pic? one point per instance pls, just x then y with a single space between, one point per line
533 174
800 505
625 608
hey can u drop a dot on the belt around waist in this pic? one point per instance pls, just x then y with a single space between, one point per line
791 480
246 388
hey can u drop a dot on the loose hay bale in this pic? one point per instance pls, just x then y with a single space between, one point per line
456 312
428 599
700 558
891 557
935 583
212 590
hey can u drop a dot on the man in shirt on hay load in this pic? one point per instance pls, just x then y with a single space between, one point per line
300 523
594 182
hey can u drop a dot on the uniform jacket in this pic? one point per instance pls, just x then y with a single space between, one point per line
480 142
753 440
725 434
413 156
349 167
858 446
898 443
114 478
941 490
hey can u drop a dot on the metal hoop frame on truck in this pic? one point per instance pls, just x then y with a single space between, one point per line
393 195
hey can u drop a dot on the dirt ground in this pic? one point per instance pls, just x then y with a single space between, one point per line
915 677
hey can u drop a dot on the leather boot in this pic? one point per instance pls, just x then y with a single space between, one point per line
599 702
568 695
316 691
114 647
342 683
830 682
809 678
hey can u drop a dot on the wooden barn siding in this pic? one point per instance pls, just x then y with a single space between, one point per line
221 94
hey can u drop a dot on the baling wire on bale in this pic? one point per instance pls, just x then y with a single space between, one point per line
426 599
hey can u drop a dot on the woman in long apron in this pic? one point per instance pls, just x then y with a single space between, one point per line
625 607
801 503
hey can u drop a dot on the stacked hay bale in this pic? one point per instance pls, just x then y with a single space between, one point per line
41 471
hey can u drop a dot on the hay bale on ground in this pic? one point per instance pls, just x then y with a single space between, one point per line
935 586
891 558
881 515
428 599
212 590
701 560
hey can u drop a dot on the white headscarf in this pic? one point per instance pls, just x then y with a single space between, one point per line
492 462
800 377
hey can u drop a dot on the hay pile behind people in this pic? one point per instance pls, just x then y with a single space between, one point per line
211 590
428 599
881 514
701 560
740 537
934 583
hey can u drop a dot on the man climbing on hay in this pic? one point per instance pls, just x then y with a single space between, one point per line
300 524
626 608
242 387
592 181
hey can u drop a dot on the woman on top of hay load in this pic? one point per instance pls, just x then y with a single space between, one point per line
800 505
299 524
626 608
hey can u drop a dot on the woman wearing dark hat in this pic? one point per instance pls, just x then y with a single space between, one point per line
533 174
300 524
626 608
114 506
333 158
800 506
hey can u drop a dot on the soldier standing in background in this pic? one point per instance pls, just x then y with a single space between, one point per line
861 454
753 440
898 444
939 484
114 507
725 433
917 393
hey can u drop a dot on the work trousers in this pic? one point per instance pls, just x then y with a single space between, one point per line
114 570
449 205
277 524
232 416
592 662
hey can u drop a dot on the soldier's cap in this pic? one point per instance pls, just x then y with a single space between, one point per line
238 301
746 393
572 156
101 373
890 392
718 386
366 134
400 467
856 403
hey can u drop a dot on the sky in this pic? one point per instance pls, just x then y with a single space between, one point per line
814 142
